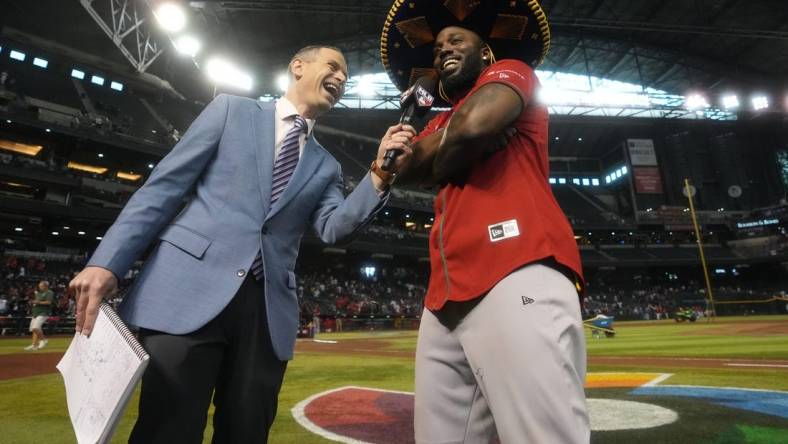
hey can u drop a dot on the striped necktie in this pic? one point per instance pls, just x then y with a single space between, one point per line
284 166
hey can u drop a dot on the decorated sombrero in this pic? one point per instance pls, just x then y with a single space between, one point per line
513 29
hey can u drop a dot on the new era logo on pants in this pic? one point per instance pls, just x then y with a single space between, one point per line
527 300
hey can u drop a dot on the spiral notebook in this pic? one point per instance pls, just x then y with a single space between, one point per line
100 373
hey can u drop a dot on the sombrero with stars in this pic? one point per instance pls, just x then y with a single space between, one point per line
513 29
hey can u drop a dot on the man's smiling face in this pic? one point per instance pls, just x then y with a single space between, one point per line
457 55
320 80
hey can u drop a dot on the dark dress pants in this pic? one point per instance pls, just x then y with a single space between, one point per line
230 359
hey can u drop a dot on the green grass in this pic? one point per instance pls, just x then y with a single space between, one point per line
35 406
696 340
17 345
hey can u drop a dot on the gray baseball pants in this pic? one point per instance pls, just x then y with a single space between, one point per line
512 362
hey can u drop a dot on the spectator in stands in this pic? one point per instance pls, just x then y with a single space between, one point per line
42 304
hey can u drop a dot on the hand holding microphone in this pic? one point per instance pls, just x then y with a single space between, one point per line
395 150
415 102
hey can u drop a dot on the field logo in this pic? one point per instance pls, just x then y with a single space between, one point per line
622 407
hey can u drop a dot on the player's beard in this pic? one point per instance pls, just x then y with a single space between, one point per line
457 85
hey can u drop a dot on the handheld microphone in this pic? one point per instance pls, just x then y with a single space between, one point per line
416 101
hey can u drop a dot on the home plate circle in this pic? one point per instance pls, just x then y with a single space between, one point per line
617 414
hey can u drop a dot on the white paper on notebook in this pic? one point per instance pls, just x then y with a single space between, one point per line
100 373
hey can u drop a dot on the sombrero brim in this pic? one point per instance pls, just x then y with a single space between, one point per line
514 29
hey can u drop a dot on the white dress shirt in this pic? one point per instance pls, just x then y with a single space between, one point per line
285 120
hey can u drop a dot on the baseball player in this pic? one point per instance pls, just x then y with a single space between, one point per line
501 345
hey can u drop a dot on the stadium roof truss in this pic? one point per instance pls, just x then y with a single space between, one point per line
563 93
126 24
569 88
608 57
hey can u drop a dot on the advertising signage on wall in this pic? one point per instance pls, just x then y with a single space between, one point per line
641 152
647 180
756 223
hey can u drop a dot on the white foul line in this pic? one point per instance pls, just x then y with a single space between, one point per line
656 381
756 365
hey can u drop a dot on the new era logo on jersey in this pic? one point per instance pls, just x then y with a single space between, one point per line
503 230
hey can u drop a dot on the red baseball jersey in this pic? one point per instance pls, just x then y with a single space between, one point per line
505 215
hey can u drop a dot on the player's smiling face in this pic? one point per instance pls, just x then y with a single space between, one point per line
457 55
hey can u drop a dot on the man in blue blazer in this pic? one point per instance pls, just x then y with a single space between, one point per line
216 299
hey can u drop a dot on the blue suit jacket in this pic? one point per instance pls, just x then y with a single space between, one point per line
223 168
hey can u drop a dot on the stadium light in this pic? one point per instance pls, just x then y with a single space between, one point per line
586 182
18 229
595 182
17 55
171 17
41 63
100 155
282 82
188 45
730 102
97 80
117 86
760 102
366 87
552 180
561 180
224 73
77 74
18 147
86 168
55 233
150 166
624 169
99 238
128 176
696 102
576 181
81 233
48 130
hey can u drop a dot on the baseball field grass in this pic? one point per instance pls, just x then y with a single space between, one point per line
729 352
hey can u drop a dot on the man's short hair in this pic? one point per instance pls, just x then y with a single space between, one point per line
308 53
